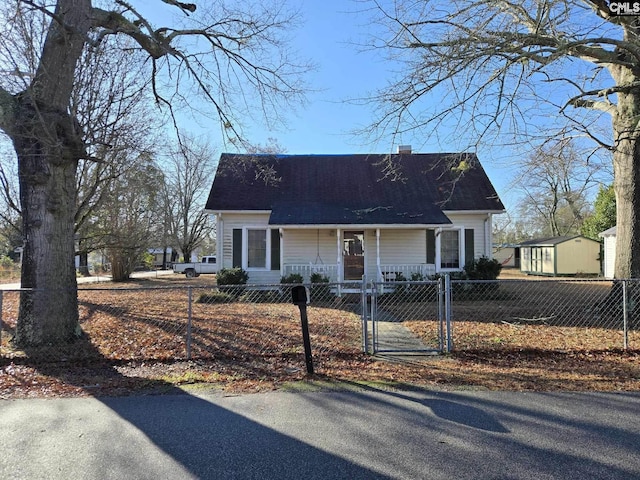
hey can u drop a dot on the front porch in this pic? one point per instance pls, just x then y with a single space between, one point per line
377 254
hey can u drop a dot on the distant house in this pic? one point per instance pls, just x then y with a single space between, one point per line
345 216
560 256
609 252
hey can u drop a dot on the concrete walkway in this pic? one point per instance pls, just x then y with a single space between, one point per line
394 336
396 343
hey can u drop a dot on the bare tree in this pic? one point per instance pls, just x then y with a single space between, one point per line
555 182
189 173
118 125
131 207
230 56
116 120
517 67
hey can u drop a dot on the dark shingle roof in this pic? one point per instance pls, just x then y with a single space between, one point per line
353 189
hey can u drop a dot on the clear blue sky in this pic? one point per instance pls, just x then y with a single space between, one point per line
328 37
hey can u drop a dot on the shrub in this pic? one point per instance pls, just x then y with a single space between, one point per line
292 278
483 268
320 287
232 281
264 296
232 276
216 297
417 277
400 277
319 278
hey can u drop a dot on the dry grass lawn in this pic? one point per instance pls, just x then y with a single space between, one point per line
136 343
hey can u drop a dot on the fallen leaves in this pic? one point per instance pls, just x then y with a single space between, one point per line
139 343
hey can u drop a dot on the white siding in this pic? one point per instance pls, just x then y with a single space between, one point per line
238 220
609 256
397 246
315 246
403 246
302 246
481 225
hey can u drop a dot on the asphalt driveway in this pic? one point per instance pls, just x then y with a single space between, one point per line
363 434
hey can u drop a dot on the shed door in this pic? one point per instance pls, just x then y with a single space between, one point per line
353 255
536 259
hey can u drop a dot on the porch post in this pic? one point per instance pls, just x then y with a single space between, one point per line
488 240
438 258
281 236
339 259
219 240
378 265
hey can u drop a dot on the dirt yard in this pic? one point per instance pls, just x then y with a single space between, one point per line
257 347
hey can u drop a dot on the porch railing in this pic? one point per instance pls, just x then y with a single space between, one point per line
306 270
394 272
386 272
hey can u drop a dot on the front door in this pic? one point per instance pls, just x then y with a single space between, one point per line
353 255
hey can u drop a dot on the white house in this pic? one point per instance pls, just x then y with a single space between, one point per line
346 216
609 250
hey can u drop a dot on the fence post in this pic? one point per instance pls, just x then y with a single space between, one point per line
447 310
1 324
363 301
190 290
625 316
374 315
441 314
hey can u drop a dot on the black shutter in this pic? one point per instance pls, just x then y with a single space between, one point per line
275 249
469 248
431 246
237 248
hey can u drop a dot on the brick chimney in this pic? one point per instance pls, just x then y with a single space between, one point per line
406 149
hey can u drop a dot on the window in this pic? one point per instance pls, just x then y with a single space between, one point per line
256 248
450 244
450 249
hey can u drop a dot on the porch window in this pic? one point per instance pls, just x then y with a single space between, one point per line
450 249
257 248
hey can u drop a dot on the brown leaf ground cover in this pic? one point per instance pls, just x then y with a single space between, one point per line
136 342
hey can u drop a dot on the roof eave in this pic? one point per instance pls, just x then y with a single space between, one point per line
361 226
472 212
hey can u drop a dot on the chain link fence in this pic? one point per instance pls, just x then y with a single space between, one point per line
257 324
260 325
542 314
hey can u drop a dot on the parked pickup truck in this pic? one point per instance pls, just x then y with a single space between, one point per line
207 264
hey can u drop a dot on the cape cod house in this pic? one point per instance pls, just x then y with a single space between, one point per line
346 216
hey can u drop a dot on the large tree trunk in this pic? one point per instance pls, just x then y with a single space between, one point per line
48 312
626 167
48 143
627 189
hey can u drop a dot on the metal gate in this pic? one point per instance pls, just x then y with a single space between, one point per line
406 317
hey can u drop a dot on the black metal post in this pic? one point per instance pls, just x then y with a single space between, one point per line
300 297
308 358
